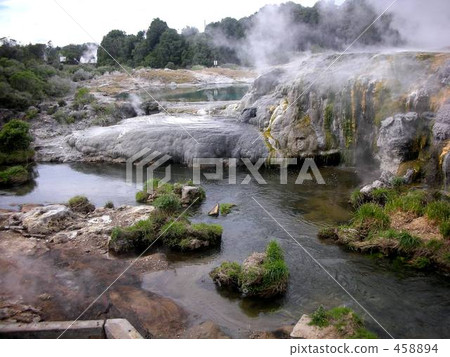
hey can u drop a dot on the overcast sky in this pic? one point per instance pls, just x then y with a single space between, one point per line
43 20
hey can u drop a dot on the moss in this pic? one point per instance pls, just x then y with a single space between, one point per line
80 204
180 234
225 208
227 275
136 237
15 175
345 321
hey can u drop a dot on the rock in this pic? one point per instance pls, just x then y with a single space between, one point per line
399 140
409 176
190 193
214 212
441 127
126 110
185 137
247 114
150 107
303 330
376 184
207 329
283 332
47 219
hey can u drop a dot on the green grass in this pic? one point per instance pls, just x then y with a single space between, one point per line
346 322
371 216
357 198
80 203
320 317
438 211
406 240
413 201
14 175
444 228
225 208
169 203
268 282
141 196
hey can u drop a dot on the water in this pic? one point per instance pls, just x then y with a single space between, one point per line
209 94
408 304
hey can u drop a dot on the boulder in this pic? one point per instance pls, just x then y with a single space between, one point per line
399 139
247 114
190 193
441 128
150 107
47 219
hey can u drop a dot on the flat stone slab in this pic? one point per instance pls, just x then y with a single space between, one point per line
303 330
53 329
120 329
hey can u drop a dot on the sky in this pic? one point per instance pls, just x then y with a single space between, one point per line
44 20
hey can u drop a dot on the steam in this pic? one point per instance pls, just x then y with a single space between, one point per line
275 35
90 54
136 102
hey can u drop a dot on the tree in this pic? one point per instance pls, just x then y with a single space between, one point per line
170 48
117 44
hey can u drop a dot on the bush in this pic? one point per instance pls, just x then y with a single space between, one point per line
82 75
58 87
141 197
319 317
15 136
168 203
371 216
82 98
109 204
438 211
80 204
15 175
27 81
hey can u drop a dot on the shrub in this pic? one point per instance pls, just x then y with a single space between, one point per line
371 216
31 113
58 87
62 117
173 232
438 211
15 136
80 204
82 75
27 81
82 98
168 203
397 182
109 204
14 175
141 196
319 317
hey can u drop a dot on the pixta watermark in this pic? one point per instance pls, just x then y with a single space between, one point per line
147 161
